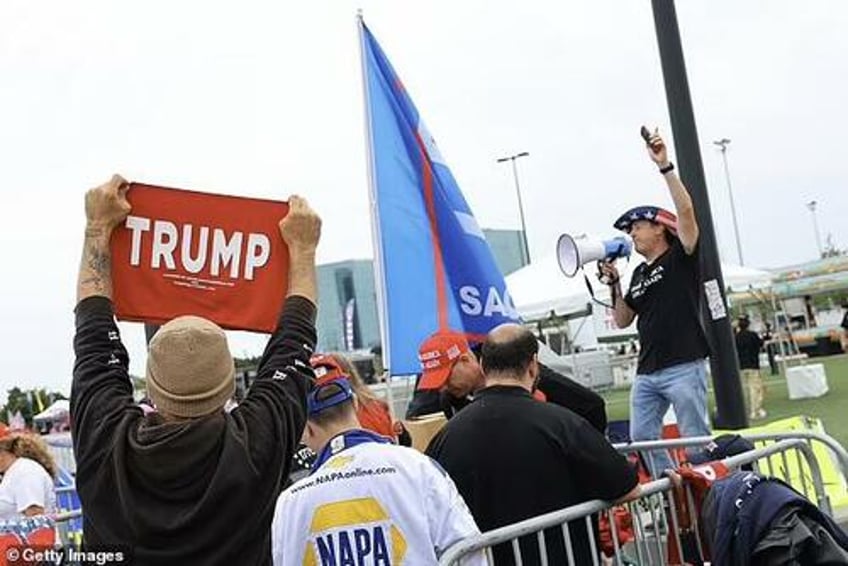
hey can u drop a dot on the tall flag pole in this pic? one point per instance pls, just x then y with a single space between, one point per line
434 269
379 279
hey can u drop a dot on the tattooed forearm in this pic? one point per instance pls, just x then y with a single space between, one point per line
99 260
95 276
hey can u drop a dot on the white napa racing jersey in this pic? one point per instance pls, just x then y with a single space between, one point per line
371 504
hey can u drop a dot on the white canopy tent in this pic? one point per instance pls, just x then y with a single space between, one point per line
740 278
56 411
540 288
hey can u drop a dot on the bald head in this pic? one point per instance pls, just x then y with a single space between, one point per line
509 351
508 332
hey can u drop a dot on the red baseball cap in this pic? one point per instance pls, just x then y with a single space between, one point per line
326 368
438 354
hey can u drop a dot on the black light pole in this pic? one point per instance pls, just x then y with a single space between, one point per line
512 158
730 404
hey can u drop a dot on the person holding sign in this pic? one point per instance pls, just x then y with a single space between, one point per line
664 293
189 483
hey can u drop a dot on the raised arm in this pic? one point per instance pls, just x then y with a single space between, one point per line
101 391
274 411
301 230
106 207
687 225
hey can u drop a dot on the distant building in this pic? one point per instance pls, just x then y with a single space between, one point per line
347 311
508 249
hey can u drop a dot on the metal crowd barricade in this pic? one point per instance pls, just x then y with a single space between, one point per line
796 471
68 506
654 513
69 528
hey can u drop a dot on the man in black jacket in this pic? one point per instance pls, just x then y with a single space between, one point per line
189 484
513 457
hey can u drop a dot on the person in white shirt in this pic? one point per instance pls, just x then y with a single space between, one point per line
28 470
366 500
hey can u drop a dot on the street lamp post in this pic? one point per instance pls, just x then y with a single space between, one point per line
512 158
812 206
722 144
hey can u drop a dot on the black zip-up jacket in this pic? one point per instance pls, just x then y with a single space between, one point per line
199 491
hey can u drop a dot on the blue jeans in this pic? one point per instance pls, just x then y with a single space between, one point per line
684 387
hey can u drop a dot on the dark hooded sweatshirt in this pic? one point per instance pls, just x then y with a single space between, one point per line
199 491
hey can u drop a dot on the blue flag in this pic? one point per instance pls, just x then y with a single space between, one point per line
435 270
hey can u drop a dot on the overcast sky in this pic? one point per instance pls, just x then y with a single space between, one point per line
264 99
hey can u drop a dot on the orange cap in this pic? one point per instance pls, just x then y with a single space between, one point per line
438 354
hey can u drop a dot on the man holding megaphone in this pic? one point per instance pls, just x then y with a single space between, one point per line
664 294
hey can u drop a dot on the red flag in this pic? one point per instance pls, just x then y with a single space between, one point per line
185 252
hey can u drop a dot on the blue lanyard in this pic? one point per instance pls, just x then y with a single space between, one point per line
344 441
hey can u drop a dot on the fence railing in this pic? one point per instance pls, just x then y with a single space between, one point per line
69 528
797 457
654 514
829 457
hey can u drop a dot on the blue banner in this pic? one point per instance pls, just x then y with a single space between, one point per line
435 267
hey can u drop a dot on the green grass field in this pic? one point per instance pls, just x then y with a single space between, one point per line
831 408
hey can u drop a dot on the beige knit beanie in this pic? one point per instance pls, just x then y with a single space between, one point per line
190 372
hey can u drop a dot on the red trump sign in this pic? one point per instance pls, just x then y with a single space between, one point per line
185 252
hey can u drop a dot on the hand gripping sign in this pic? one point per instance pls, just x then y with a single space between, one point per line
184 252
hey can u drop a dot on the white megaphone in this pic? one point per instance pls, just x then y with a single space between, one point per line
574 252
